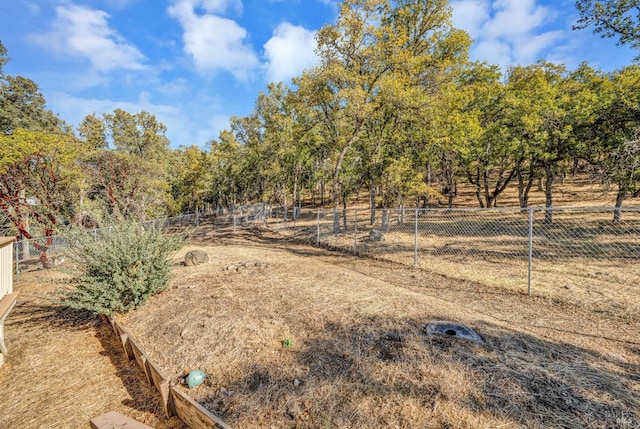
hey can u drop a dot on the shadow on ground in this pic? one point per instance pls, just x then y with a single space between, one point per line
385 372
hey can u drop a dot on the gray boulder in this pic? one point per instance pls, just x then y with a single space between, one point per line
196 257
375 235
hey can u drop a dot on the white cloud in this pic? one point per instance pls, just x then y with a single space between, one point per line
219 6
84 33
529 50
174 87
214 43
515 18
507 32
470 15
494 52
289 52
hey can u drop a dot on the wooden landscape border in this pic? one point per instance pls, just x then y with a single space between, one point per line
174 401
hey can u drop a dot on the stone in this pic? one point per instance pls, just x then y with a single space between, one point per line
452 330
196 257
375 235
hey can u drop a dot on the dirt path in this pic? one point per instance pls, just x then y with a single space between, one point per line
63 370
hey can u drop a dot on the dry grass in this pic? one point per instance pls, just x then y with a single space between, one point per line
64 368
360 357
569 356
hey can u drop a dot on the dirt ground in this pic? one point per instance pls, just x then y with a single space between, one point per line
295 336
64 368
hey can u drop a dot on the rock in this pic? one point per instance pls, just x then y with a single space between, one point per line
296 383
375 235
196 257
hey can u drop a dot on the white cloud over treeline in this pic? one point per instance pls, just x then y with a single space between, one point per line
84 33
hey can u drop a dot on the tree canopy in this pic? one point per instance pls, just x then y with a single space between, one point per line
612 18
394 110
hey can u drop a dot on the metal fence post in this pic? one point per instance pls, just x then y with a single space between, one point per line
530 267
415 241
16 257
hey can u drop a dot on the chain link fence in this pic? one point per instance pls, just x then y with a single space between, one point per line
31 253
584 250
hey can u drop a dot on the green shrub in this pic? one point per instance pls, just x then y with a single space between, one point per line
118 270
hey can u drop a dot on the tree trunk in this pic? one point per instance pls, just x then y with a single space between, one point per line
476 182
548 195
451 196
295 196
337 188
372 204
524 189
429 186
284 216
344 212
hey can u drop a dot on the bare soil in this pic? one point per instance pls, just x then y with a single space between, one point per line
295 336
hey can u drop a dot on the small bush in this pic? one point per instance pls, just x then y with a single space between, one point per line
119 270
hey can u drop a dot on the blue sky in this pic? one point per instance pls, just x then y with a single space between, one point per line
195 63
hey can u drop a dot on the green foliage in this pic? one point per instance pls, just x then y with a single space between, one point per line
612 18
120 270
287 343
126 167
38 181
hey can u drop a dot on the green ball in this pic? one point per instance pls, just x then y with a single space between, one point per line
195 378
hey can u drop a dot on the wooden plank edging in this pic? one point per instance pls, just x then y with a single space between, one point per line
194 414
141 358
174 401
162 385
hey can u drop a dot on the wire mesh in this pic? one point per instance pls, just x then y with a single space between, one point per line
513 248
583 251
38 252
590 253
